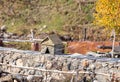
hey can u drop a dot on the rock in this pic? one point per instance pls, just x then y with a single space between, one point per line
98 65
42 59
30 78
55 80
49 65
22 72
55 76
58 77
38 73
37 58
85 63
56 62
3 28
12 62
104 64
19 62
62 59
66 66
16 56
59 65
16 70
1 59
26 71
31 72
95 81
1 71
111 65
18 77
50 58
113 70
74 64
5 61
101 78
15 81
37 64
55 65
7 78
7 57
6 35
15 37
92 66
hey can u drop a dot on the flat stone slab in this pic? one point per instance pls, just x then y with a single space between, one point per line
76 55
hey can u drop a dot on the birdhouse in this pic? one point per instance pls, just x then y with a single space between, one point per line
52 45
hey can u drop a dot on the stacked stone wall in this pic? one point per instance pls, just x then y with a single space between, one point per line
61 63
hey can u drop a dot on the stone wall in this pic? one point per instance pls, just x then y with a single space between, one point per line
61 63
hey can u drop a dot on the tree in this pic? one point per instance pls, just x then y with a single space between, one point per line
108 14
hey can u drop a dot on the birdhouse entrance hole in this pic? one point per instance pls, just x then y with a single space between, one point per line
47 51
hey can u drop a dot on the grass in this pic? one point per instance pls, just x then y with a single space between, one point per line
19 45
53 13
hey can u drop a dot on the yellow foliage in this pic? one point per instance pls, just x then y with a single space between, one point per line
108 14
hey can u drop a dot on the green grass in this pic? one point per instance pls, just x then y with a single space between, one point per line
19 45
53 13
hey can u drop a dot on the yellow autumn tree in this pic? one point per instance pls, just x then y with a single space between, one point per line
108 14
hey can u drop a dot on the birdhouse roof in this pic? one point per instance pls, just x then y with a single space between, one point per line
54 38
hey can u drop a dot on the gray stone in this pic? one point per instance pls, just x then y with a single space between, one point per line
22 72
16 70
38 73
58 76
101 78
1 71
7 57
18 77
66 66
92 67
37 64
85 63
62 59
50 58
61 63
1 59
98 65
19 62
7 78
31 72
49 64
42 59
104 64
16 56
111 65
30 78
74 65
36 58
12 62
5 61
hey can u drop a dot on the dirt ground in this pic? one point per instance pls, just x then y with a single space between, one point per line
86 46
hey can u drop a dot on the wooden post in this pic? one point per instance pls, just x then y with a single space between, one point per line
113 44
1 43
85 33
32 34
35 46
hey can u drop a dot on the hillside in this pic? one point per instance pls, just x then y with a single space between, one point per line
63 16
